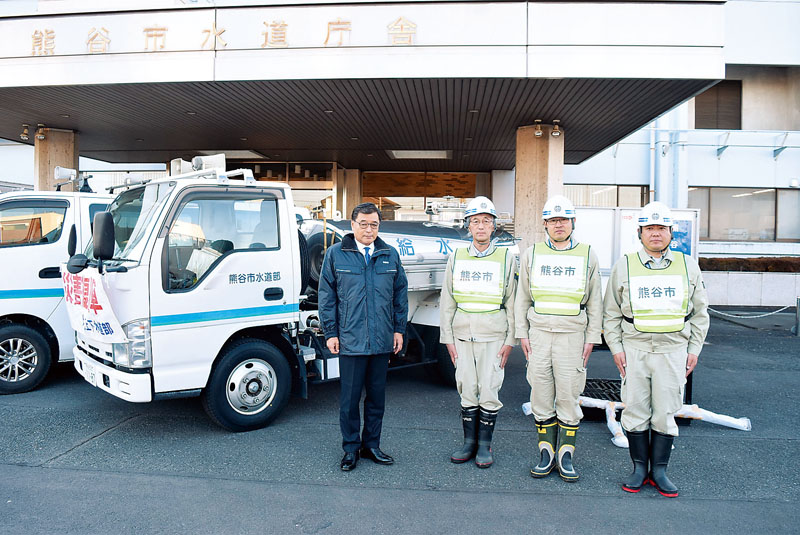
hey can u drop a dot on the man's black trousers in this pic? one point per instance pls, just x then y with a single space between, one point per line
355 374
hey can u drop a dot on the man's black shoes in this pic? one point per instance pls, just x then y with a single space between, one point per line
349 461
376 455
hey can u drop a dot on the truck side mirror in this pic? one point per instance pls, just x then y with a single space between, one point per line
72 241
77 263
103 236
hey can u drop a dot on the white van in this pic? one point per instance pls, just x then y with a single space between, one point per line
34 329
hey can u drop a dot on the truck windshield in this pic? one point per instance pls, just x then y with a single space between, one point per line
134 211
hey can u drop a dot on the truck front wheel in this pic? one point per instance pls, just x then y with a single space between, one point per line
249 386
24 359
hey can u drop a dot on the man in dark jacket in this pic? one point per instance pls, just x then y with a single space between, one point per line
363 307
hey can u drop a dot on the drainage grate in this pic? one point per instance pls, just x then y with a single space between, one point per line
605 389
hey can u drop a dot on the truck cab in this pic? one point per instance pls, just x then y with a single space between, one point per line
195 292
34 232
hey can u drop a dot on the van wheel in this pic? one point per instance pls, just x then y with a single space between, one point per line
24 359
249 386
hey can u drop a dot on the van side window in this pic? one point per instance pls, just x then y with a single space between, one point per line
206 229
27 223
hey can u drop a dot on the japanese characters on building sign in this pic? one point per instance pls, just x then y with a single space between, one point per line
247 278
273 33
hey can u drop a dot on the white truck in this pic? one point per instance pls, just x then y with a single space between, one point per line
35 227
198 289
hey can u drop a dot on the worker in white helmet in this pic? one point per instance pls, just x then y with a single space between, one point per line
558 312
655 322
477 326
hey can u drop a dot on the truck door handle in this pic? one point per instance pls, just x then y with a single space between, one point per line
50 273
273 294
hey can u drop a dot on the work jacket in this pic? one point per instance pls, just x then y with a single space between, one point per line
363 304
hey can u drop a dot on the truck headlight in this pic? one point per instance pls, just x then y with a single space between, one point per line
136 352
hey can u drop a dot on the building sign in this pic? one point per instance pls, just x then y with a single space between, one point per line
263 28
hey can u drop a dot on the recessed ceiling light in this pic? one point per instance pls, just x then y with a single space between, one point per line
468 139
276 155
474 110
353 139
370 155
65 115
139 139
420 154
242 139
328 111
191 113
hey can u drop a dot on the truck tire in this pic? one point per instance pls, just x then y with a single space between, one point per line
316 254
437 354
305 262
24 358
249 386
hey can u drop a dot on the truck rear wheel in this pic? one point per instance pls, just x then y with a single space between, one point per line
24 359
249 386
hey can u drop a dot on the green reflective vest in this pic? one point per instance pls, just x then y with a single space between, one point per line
479 283
659 297
558 279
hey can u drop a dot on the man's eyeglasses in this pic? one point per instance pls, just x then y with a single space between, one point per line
364 225
558 221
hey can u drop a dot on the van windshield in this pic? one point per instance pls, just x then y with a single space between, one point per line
134 211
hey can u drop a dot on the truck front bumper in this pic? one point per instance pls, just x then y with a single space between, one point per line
135 387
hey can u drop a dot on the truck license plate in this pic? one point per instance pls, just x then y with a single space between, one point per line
89 373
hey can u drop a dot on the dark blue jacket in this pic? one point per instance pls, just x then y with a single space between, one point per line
363 305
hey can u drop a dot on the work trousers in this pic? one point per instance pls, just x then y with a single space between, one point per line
652 390
355 374
478 374
556 375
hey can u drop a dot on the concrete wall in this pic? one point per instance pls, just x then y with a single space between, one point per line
751 289
770 96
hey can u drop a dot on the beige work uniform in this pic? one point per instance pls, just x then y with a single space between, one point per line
478 337
555 367
655 373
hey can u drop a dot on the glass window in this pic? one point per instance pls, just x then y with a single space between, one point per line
788 215
605 196
698 198
741 214
25 223
207 229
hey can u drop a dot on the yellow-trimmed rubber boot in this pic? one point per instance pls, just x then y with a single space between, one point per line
547 432
567 436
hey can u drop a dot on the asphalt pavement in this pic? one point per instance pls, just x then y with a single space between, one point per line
76 460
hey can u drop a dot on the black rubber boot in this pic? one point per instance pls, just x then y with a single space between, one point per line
483 457
639 448
567 437
469 418
660 449
548 433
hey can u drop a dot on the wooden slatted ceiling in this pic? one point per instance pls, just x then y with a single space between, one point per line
418 184
286 120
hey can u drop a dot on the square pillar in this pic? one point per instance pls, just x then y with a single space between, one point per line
59 147
539 175
352 191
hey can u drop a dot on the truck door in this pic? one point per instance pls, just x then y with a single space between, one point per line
226 263
33 243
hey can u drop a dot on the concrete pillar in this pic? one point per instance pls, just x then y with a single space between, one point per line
539 175
483 185
338 190
59 147
352 191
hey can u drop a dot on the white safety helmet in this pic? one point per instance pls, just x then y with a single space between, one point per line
480 205
558 206
656 213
